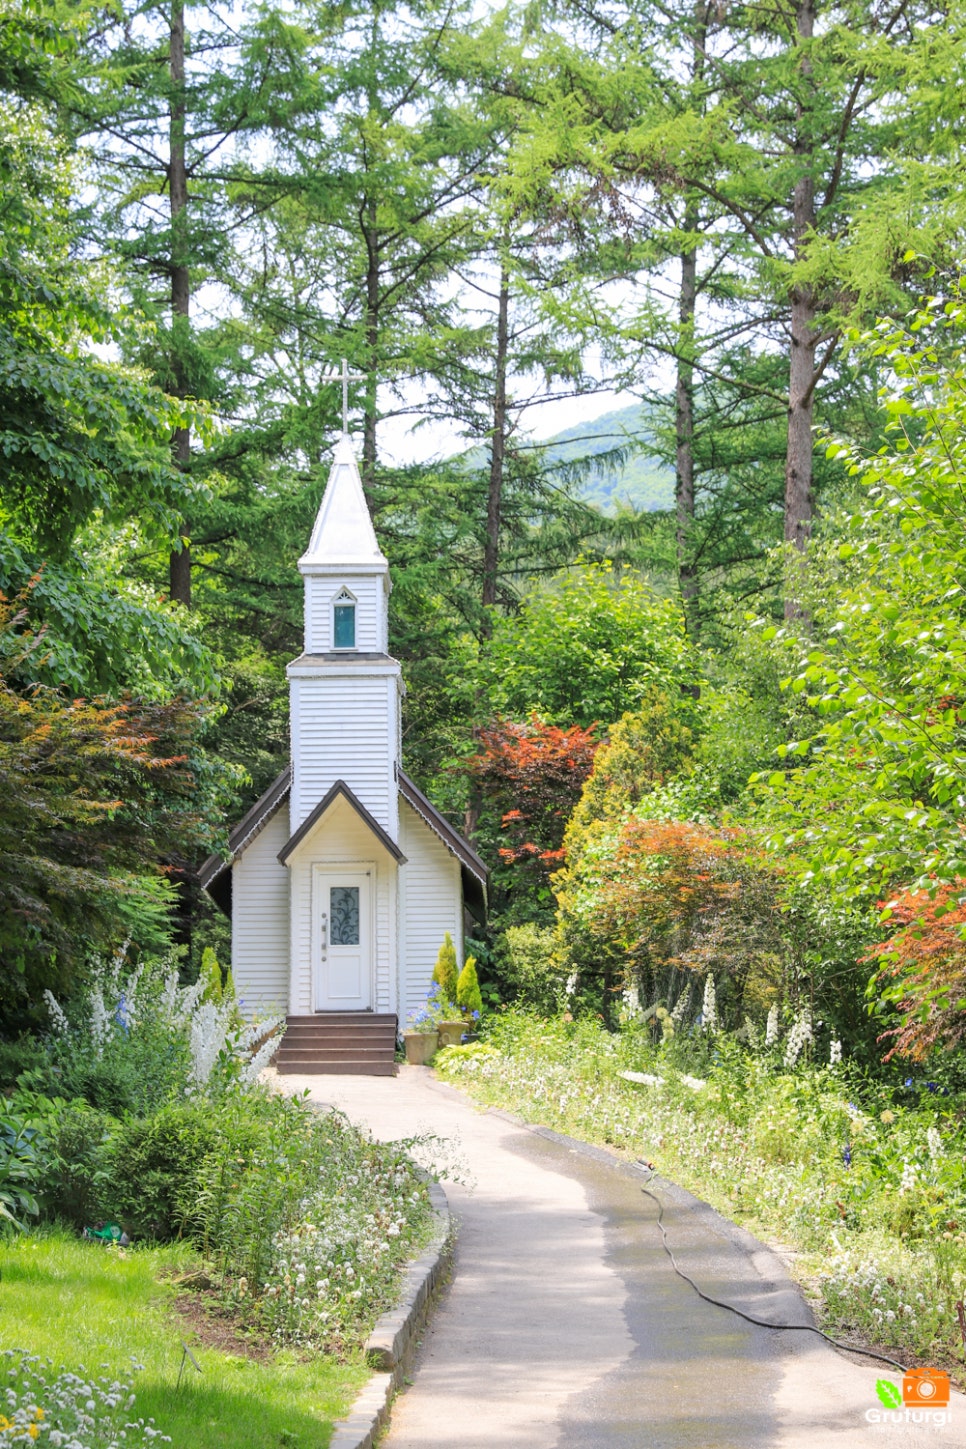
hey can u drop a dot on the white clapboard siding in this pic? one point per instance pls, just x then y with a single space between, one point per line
345 728
259 921
341 838
368 591
431 904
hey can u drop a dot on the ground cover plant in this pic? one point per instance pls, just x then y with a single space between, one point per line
864 1179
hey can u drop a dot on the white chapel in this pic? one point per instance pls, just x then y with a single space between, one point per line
342 880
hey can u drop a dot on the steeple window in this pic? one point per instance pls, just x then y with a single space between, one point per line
344 620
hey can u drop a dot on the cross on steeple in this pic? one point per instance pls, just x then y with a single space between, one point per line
345 377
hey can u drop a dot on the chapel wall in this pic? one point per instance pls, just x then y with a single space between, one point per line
431 903
260 922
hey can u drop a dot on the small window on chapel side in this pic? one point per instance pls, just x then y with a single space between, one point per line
344 622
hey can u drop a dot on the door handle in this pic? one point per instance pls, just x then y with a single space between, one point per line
325 934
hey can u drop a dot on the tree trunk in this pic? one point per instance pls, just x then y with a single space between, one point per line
372 345
799 506
494 508
684 391
180 561
684 424
494 496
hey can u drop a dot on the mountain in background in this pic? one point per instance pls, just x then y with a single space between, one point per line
643 481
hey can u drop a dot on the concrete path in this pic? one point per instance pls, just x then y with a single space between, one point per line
565 1327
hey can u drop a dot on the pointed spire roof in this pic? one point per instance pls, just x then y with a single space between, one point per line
343 536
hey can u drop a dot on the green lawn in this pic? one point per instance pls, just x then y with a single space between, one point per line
79 1303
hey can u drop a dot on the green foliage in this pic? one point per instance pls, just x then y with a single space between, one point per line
147 1170
21 1162
468 989
135 1039
586 648
76 1184
646 748
529 966
93 794
210 977
445 970
869 794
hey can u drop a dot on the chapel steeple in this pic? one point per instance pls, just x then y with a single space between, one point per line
345 571
345 690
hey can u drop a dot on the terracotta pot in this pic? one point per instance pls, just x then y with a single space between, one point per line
451 1032
420 1046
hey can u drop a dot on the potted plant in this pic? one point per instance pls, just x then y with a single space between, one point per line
443 999
421 1039
469 1000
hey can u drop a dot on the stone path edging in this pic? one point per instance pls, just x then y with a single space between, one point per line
391 1345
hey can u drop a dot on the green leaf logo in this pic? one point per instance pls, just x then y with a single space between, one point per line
889 1393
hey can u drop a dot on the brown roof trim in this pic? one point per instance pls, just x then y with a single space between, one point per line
461 848
248 827
341 788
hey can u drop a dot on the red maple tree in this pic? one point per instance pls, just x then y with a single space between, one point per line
923 970
531 774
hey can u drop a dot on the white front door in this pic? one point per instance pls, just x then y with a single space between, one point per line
343 939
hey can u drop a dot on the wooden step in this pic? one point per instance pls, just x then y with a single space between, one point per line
338 1068
312 1033
357 1043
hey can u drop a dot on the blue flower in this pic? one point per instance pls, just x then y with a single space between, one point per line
847 1154
122 1015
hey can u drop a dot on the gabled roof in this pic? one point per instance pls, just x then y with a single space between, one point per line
340 790
216 867
343 535
215 874
474 872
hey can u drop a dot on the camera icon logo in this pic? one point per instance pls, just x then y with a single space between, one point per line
925 1388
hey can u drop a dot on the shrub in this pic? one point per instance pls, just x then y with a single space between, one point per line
444 972
530 967
468 989
149 1167
73 1184
26 1054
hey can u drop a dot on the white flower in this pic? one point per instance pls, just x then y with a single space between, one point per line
934 1143
798 1037
835 1053
709 1006
681 1006
58 1019
909 1174
771 1026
